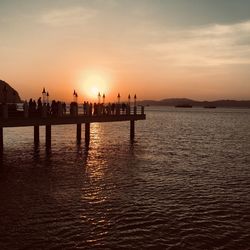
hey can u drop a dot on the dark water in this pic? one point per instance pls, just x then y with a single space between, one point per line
183 184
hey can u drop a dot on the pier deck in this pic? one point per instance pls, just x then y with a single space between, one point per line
21 120
67 119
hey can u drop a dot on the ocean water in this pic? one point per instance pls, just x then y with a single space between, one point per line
184 183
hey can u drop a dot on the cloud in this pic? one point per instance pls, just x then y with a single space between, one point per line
68 16
213 45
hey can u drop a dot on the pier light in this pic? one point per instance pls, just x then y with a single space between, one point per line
76 96
135 97
99 97
129 99
47 97
44 95
103 98
118 98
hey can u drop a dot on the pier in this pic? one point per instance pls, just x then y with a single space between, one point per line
75 114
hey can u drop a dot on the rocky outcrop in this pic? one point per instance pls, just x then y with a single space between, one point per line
8 94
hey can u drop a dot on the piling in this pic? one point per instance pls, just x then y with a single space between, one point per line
87 133
132 130
48 135
78 132
36 135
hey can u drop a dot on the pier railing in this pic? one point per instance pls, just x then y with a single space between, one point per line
24 111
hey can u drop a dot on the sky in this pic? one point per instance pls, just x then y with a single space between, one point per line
158 49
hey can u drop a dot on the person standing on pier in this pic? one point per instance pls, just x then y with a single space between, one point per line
39 106
64 107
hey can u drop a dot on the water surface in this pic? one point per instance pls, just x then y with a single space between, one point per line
183 184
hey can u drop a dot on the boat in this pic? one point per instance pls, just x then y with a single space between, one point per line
183 106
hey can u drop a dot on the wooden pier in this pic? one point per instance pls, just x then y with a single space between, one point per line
77 118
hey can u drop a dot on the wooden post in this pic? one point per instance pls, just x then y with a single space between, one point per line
36 135
87 133
79 132
132 130
48 135
1 140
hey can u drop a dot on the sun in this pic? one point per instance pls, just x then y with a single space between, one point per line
94 91
92 83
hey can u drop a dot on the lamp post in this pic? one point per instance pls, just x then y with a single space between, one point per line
135 97
44 95
74 96
47 97
129 99
118 98
103 98
99 97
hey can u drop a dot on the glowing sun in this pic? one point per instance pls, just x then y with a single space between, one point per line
93 83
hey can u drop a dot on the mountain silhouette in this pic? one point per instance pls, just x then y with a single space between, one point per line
193 103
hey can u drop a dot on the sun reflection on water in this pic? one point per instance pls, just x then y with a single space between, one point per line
96 195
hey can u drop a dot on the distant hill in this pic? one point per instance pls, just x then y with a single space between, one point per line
185 101
8 94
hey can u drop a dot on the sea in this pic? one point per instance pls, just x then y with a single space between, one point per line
183 183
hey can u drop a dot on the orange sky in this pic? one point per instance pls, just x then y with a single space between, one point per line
156 49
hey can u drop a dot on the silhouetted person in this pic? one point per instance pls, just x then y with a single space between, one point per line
26 109
64 107
30 107
53 108
95 109
84 108
123 107
113 109
109 108
48 109
39 106
90 109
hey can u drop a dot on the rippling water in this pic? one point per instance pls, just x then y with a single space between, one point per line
183 184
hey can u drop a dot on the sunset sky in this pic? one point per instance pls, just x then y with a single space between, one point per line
157 49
